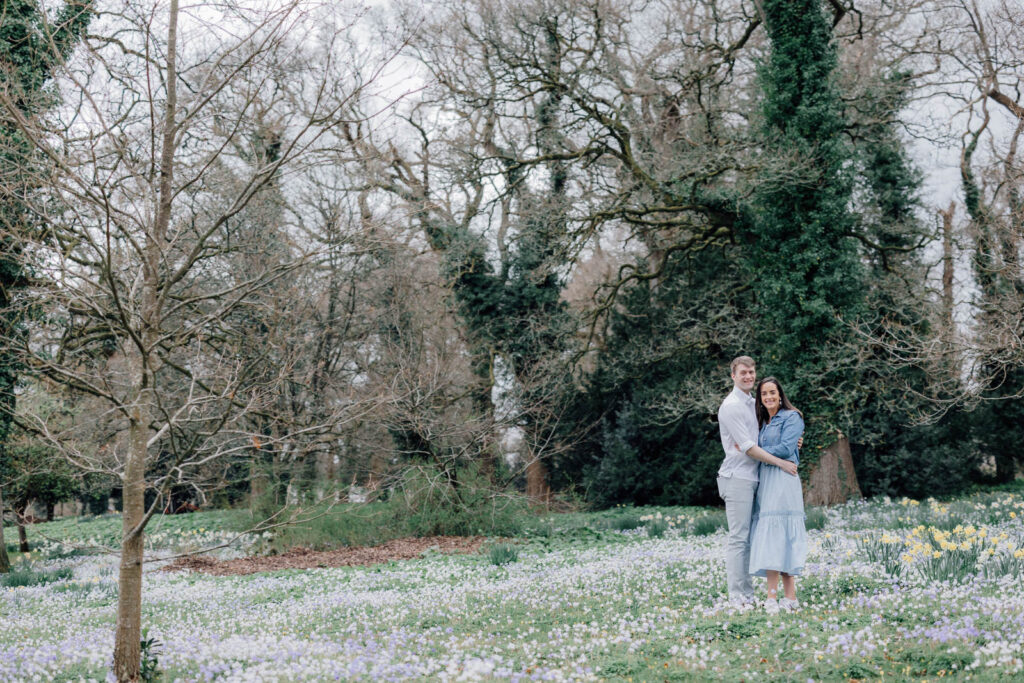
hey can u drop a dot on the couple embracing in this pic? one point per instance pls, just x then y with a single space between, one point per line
761 433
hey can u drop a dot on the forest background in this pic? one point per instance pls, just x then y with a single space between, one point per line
266 253
519 241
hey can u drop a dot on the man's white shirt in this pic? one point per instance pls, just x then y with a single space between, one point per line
737 423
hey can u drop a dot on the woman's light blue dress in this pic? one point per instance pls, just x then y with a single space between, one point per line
778 537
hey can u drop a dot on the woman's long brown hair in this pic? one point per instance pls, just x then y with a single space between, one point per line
762 412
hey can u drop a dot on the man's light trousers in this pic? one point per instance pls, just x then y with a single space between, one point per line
738 495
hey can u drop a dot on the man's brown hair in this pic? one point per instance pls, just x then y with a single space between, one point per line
741 360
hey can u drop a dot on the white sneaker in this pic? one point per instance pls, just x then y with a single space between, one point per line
742 605
771 605
788 605
728 606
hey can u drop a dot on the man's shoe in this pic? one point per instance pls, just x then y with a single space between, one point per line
734 605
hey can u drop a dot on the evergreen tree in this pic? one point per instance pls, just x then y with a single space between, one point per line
805 268
648 442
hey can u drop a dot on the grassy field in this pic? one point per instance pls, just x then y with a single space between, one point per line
900 590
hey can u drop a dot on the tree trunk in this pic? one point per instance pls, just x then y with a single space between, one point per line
5 562
127 653
482 365
832 479
144 366
537 488
947 268
19 516
257 480
127 650
1006 467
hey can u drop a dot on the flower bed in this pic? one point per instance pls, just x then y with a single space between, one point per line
620 605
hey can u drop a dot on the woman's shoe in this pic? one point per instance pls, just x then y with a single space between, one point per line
787 605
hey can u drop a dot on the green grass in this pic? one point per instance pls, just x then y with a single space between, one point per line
502 554
78 536
709 523
320 527
365 524
107 528
582 578
336 526
81 672
816 518
625 522
27 574
1015 487
656 528
340 525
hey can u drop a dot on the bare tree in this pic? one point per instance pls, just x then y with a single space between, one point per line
165 147
546 131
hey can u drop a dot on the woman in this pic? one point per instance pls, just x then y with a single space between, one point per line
778 538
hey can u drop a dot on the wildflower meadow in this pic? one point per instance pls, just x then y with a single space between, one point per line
893 589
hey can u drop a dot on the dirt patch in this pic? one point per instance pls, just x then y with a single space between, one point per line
301 558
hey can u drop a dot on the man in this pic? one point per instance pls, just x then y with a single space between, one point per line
737 477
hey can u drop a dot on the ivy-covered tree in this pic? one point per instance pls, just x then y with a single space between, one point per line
799 235
32 42
996 265
989 52
5 560
561 137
